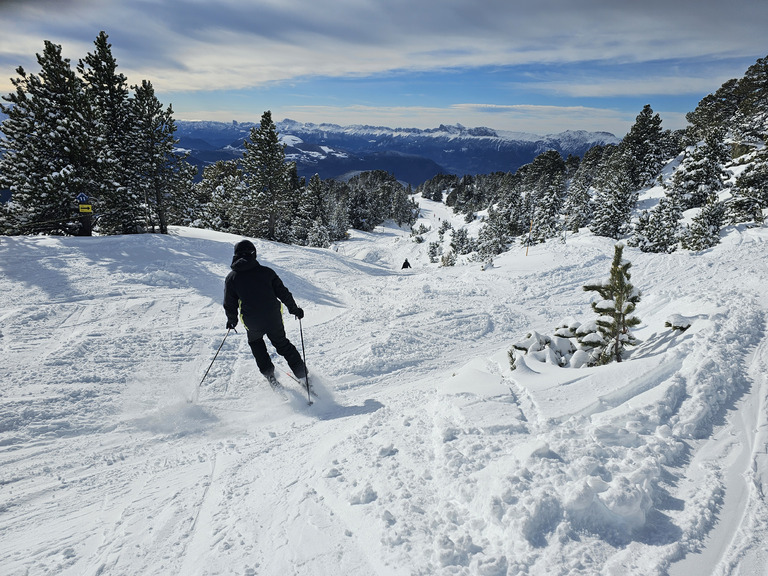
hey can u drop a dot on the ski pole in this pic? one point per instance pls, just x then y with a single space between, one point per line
304 358
197 391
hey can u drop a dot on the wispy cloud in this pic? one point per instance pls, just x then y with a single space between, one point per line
598 48
643 86
193 44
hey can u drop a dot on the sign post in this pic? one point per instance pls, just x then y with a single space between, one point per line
86 209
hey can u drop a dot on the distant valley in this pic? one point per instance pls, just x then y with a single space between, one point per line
412 155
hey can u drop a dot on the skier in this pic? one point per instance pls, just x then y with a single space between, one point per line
406 264
257 292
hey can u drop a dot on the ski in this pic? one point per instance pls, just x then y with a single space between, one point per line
304 386
277 388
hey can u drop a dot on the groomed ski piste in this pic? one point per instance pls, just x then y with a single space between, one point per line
424 453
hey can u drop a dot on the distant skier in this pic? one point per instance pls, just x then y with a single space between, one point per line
406 264
256 291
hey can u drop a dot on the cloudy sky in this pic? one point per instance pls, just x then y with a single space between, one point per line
539 66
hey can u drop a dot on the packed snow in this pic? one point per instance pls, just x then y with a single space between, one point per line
425 452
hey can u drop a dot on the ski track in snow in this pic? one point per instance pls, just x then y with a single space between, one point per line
425 454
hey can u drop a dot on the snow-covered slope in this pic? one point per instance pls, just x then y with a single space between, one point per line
425 454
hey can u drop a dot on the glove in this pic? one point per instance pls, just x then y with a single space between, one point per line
231 324
299 313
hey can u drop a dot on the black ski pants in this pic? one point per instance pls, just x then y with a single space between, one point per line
275 331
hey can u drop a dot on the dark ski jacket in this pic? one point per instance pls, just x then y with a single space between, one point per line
256 291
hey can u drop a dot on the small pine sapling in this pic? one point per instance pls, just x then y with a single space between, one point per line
615 310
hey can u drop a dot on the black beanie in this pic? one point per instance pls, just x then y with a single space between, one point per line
245 247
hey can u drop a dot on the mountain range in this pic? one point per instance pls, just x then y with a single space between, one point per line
413 155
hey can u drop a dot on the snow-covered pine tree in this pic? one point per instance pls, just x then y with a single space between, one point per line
517 211
751 119
572 164
701 171
448 259
644 144
578 202
184 206
750 195
376 196
266 176
704 230
445 225
363 211
494 236
658 230
463 197
157 171
545 185
615 311
309 211
404 209
438 187
217 191
434 251
616 196
461 242
318 236
49 151
739 107
337 200
714 111
117 203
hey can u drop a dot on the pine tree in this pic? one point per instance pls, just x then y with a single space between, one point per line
704 231
714 111
434 251
461 242
751 119
337 200
701 171
578 203
659 230
376 196
404 209
448 259
615 311
120 204
544 182
267 176
572 164
750 195
615 198
158 173
318 236
516 210
739 107
494 237
437 187
218 191
185 207
641 231
363 212
49 152
644 145
310 210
